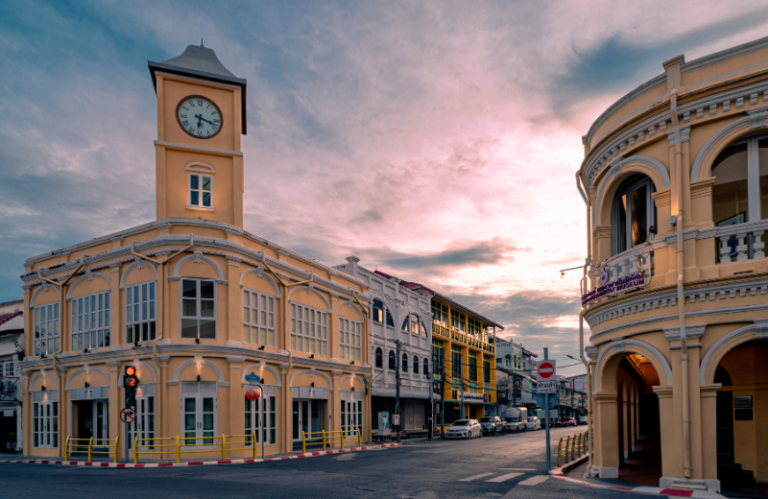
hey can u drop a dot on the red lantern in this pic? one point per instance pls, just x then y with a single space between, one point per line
252 394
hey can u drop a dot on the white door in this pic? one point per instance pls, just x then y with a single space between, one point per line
198 414
144 424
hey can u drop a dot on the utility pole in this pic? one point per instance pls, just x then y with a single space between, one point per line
397 388
546 417
442 395
461 377
431 377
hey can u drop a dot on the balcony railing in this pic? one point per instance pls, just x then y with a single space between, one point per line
460 337
742 242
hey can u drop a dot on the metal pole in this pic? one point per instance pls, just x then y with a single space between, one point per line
546 417
431 377
127 437
397 388
263 401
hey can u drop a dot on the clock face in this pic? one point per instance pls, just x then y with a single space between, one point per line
199 117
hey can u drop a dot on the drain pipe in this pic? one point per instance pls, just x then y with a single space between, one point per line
582 289
678 223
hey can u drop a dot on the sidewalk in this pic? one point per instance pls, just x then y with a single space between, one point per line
105 463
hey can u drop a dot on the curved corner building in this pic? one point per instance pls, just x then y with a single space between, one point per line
676 178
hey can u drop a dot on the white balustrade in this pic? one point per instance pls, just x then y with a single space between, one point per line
742 242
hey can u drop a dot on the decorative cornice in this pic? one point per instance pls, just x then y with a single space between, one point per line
691 332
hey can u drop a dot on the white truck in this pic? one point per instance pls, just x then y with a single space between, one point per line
516 418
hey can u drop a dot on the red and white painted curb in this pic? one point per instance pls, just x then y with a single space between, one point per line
195 463
559 473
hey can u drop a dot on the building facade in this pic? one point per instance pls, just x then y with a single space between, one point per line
675 178
203 309
400 346
464 352
11 353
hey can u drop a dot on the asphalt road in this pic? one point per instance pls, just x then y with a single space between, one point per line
509 466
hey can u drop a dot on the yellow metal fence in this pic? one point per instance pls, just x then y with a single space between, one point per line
75 446
575 447
181 445
329 438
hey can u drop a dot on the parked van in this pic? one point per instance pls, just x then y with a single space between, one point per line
516 418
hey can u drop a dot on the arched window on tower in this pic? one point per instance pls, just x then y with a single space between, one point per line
740 194
633 217
392 361
379 359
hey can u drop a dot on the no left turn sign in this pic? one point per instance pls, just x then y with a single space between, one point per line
546 370
127 415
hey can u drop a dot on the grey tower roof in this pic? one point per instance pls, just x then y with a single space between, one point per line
201 62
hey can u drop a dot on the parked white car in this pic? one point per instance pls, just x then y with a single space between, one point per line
534 423
464 428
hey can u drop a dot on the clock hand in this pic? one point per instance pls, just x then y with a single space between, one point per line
200 117
199 123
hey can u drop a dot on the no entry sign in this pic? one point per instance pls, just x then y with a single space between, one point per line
546 370
127 415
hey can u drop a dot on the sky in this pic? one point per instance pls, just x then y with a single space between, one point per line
437 141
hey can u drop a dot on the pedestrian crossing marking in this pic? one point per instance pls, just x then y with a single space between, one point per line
504 478
534 480
481 475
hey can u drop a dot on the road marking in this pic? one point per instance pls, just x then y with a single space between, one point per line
504 478
481 475
534 480
518 469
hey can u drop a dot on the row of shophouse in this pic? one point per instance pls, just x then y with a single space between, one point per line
206 311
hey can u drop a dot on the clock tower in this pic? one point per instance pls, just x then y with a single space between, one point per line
200 118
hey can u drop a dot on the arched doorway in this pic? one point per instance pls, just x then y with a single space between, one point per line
639 437
627 411
741 420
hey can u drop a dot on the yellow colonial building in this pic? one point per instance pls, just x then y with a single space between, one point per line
675 178
464 357
203 309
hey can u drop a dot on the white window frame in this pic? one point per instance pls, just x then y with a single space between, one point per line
198 302
46 324
8 370
351 409
97 333
753 176
202 390
350 339
269 432
141 313
145 424
45 421
260 331
309 331
199 205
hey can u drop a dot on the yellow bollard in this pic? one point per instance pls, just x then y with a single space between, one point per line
559 453
90 450
223 447
135 450
359 438
66 450
115 451
567 444
178 448
303 443
342 439
255 447
323 439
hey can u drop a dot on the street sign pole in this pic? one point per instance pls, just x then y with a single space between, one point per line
546 417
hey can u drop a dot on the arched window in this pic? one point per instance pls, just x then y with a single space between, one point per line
426 368
633 218
406 324
423 329
392 361
411 324
390 321
379 358
378 311
507 361
404 367
415 365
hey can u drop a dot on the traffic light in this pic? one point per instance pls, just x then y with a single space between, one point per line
130 383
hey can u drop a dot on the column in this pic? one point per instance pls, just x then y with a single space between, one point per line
335 401
671 447
236 402
234 300
708 395
287 409
606 430
161 398
116 427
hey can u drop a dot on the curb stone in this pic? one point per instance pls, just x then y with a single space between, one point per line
61 462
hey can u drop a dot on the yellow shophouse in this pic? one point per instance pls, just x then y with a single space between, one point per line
203 309
463 346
